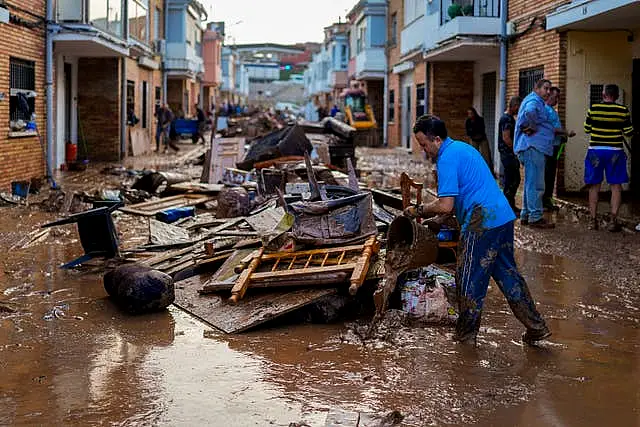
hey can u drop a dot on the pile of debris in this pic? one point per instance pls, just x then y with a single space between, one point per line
261 234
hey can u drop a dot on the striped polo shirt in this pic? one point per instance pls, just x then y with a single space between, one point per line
608 123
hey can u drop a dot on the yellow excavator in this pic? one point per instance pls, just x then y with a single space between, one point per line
357 111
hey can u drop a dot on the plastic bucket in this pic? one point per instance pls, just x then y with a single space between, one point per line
71 153
418 242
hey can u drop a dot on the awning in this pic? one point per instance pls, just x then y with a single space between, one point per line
595 15
463 49
87 43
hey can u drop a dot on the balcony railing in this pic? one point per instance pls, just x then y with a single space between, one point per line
106 15
451 9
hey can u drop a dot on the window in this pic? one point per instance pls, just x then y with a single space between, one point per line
139 20
528 79
362 38
22 76
394 29
158 95
595 94
131 96
392 105
157 24
343 57
420 104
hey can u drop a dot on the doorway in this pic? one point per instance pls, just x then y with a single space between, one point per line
489 108
145 102
635 119
68 101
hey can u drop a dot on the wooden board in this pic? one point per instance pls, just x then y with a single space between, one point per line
153 207
198 187
253 310
140 141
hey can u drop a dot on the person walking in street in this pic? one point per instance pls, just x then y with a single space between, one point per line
466 186
534 136
510 162
608 123
477 134
551 163
202 125
164 117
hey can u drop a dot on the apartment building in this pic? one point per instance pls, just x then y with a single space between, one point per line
213 40
183 62
106 66
581 46
367 65
22 52
443 59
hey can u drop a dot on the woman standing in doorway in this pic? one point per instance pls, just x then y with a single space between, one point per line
478 136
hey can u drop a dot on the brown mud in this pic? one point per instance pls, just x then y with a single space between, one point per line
69 356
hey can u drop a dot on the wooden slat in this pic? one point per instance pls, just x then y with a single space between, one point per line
302 272
322 251
242 283
152 207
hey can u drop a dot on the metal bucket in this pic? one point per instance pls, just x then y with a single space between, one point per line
418 242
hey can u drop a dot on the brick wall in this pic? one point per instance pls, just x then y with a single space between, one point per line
394 132
138 75
538 48
451 94
22 158
99 106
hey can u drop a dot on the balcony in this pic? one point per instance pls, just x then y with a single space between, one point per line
370 63
91 28
595 15
463 30
338 79
412 36
182 61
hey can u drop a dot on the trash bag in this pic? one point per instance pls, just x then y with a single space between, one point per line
428 296
290 141
334 222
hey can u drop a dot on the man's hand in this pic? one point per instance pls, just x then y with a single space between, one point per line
571 134
411 211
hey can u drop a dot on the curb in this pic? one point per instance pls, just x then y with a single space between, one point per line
582 212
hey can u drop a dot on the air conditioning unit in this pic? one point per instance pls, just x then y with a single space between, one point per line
159 46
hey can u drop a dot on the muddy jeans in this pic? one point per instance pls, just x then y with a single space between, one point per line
483 255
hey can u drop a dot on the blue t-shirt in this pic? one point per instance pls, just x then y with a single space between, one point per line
464 175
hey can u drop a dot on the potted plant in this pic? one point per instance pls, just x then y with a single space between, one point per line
454 10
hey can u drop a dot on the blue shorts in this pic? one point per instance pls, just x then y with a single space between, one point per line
613 162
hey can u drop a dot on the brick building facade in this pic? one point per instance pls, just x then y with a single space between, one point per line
22 52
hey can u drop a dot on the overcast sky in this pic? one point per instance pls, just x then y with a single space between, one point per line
276 21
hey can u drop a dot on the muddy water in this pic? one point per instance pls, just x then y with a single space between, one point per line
95 365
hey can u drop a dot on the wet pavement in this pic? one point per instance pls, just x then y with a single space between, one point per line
69 356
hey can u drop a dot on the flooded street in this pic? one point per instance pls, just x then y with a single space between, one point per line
68 355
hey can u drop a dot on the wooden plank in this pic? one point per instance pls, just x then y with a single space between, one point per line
240 288
198 187
251 311
316 280
167 255
152 207
286 255
302 272
362 265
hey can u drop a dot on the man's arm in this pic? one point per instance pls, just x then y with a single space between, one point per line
627 126
588 123
506 136
440 206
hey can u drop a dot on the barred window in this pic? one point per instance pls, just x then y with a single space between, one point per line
22 78
392 105
420 101
528 80
595 94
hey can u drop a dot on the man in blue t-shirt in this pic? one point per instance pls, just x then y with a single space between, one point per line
466 185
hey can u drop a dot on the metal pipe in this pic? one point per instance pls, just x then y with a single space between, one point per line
164 54
123 88
49 88
504 8
385 96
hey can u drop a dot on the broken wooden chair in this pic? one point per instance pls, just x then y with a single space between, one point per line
406 185
306 268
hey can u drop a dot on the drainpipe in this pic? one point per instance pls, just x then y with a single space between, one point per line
504 8
164 54
123 90
385 96
49 90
